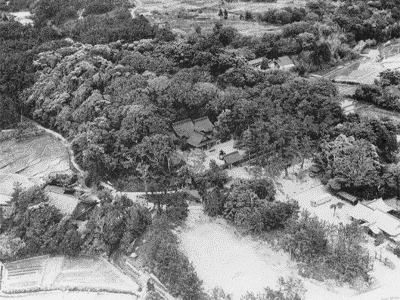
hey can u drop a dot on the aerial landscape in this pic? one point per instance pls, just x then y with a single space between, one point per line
200 149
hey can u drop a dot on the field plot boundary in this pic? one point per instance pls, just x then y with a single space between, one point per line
41 268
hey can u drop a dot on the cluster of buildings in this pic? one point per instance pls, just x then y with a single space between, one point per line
375 216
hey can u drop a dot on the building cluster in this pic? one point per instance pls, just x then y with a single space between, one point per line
375 216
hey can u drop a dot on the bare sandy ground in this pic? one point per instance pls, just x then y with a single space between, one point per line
239 264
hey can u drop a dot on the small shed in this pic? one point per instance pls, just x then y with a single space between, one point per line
232 159
348 197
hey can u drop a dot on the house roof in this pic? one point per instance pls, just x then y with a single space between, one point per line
203 124
183 128
285 61
232 157
363 212
387 223
195 138
378 204
347 196
55 189
256 62
393 203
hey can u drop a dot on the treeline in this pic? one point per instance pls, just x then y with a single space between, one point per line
384 93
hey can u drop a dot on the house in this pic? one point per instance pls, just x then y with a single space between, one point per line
376 220
232 158
197 133
285 63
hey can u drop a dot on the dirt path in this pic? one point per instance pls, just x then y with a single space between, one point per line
138 4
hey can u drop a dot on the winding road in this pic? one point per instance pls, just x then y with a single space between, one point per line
138 4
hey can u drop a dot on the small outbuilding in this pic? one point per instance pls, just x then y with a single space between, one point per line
232 159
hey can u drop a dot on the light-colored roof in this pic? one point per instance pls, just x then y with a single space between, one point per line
55 189
363 212
393 203
285 61
232 158
374 228
203 124
378 204
387 223
184 128
256 62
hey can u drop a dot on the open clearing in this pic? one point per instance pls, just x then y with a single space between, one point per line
238 264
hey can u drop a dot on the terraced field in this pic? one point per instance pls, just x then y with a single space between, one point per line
34 158
63 273
24 274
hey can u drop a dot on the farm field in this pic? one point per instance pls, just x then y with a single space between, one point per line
33 158
62 273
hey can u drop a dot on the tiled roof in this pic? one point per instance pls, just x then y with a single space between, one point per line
203 124
233 157
195 139
184 128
